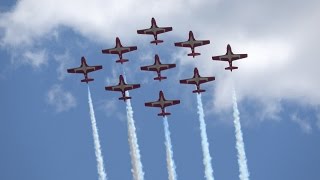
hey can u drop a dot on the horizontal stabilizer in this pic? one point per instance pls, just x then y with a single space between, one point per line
122 61
193 54
199 91
164 114
86 80
156 42
160 78
231 68
124 98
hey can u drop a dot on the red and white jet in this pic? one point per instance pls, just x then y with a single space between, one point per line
229 56
197 80
122 87
158 67
192 43
119 49
155 30
84 69
162 103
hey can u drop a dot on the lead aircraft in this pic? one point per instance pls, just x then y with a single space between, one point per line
162 103
122 87
158 67
197 80
229 57
85 69
155 30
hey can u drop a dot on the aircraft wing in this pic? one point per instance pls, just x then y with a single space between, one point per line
171 102
75 70
167 66
93 68
154 67
157 31
226 58
201 43
194 81
113 88
131 86
189 44
163 30
183 44
80 70
131 48
166 103
239 56
122 50
220 58
153 104
110 51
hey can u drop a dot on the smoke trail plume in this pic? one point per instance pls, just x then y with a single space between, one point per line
204 141
172 175
136 170
242 160
100 166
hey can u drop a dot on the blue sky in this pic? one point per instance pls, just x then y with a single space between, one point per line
45 130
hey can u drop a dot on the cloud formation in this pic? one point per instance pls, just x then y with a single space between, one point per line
35 58
303 123
64 61
60 99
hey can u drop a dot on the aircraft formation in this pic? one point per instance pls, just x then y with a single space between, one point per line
157 67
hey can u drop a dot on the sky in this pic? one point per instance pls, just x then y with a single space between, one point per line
45 131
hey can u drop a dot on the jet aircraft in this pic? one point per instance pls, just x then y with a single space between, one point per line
155 30
122 87
119 49
192 43
197 80
158 67
84 69
162 103
229 57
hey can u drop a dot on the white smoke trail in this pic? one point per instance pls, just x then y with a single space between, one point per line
204 141
136 170
172 175
242 160
100 166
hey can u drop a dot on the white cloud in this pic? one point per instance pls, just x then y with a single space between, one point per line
35 58
114 79
60 99
110 108
303 123
64 61
97 19
282 45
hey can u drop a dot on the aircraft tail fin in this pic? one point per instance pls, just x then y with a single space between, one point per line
231 68
160 78
87 80
122 61
193 54
156 42
124 98
199 91
164 114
